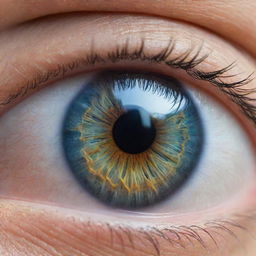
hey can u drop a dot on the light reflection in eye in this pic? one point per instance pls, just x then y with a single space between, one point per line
122 149
154 104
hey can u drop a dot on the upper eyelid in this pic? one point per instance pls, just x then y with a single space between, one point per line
59 62
164 9
188 61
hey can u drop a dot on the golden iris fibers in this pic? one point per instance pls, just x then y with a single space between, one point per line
132 139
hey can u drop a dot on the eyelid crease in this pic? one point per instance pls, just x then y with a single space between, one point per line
187 61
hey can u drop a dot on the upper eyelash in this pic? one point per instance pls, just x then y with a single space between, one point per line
235 90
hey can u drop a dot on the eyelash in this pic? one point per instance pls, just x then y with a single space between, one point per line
177 236
186 62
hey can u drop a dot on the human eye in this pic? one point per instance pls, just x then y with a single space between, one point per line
181 177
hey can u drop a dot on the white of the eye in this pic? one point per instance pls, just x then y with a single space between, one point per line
226 167
227 164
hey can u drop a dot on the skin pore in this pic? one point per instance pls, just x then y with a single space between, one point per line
38 36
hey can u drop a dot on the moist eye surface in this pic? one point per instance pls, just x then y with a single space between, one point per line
132 139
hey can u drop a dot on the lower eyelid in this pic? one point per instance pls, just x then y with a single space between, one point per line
55 231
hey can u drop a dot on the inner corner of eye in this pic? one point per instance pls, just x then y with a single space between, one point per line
135 139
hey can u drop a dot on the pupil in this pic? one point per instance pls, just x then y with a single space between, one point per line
134 131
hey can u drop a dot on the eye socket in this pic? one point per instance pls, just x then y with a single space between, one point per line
132 139
35 166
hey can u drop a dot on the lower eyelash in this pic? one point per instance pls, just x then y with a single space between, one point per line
180 237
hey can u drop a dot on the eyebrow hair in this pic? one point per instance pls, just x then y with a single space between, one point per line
187 61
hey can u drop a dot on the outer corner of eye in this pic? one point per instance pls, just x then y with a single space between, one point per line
129 140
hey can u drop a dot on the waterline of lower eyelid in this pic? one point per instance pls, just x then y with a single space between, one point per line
136 219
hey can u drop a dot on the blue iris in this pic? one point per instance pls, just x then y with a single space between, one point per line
132 139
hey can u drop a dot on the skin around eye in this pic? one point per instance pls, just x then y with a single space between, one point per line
226 26
37 180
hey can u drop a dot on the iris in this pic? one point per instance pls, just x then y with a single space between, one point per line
132 139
